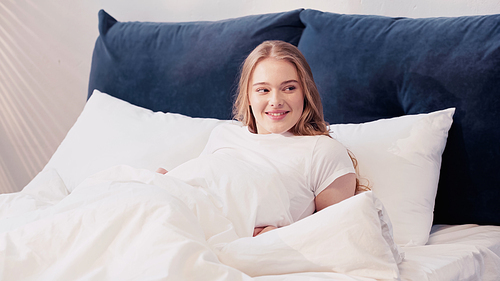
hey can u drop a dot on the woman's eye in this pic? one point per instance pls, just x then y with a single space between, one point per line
290 88
261 90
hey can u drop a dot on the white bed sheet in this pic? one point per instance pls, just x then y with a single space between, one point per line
463 252
455 252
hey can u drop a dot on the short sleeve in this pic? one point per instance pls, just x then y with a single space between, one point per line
330 161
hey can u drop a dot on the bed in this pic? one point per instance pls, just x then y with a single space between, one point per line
415 100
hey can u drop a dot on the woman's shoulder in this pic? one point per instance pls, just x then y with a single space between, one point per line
329 144
227 131
228 125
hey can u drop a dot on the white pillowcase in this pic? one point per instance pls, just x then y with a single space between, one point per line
351 237
112 132
401 159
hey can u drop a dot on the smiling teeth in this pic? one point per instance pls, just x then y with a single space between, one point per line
276 114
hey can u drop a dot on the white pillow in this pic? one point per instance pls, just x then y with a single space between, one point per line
112 132
401 159
351 237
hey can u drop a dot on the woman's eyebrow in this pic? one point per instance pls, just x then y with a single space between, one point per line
282 83
260 83
290 81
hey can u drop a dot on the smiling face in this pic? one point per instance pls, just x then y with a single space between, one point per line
275 96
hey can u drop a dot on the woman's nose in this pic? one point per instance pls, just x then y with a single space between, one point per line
276 99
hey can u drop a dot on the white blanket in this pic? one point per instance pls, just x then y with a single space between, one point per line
130 224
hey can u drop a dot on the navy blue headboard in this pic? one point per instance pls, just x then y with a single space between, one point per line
366 68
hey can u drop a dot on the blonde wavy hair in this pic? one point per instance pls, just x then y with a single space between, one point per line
312 120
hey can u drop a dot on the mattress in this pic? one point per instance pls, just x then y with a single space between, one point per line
459 252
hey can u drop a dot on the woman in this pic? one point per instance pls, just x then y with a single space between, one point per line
277 94
284 132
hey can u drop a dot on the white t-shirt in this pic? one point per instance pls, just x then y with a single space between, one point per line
306 165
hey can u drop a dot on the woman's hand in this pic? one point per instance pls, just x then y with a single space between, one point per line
161 171
262 229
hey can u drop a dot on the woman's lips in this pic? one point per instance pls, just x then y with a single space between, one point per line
277 115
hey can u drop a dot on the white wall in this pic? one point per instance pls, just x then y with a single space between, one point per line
46 48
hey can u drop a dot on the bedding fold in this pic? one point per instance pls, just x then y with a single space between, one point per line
130 224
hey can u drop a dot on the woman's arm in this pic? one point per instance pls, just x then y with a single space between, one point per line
262 229
339 190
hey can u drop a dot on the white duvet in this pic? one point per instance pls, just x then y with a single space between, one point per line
131 224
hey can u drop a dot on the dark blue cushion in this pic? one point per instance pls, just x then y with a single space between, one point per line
371 67
189 68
